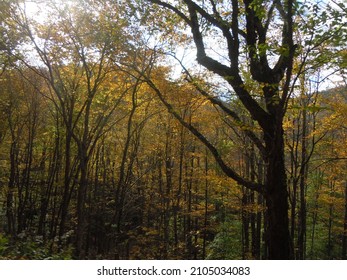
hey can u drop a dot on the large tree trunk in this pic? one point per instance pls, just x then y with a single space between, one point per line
276 198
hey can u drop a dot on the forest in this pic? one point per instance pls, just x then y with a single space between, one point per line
159 129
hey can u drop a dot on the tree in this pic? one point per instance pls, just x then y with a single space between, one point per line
7 38
247 28
332 167
77 67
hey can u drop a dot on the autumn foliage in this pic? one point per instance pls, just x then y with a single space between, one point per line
107 151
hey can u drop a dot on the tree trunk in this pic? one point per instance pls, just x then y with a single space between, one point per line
25 213
331 221
257 239
205 209
276 197
11 185
188 201
67 179
167 193
344 237
81 209
245 223
301 242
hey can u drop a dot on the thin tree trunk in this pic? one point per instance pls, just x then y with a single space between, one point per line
330 221
319 176
24 190
206 209
167 193
344 237
10 213
67 184
245 223
301 242
188 221
81 207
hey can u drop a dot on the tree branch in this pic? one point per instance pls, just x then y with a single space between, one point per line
222 105
172 8
226 169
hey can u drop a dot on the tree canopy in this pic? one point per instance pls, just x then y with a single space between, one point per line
157 129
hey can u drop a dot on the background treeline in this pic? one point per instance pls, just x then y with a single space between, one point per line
92 165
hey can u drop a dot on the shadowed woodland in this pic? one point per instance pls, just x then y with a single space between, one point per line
154 129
